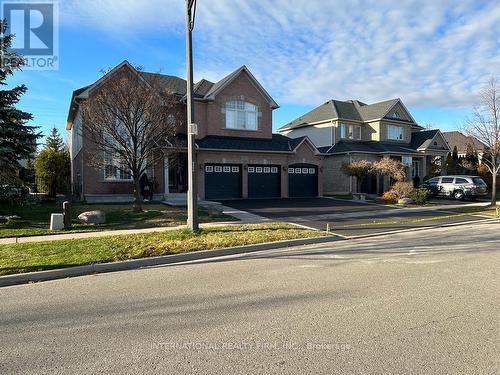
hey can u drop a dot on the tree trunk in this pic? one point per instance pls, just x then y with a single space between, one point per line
494 189
137 196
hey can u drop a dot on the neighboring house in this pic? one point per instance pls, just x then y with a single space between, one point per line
464 143
238 155
350 130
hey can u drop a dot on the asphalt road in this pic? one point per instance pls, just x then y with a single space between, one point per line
413 303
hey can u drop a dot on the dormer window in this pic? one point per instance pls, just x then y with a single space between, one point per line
241 115
348 131
395 133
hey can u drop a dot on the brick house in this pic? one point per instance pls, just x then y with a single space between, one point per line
238 156
344 131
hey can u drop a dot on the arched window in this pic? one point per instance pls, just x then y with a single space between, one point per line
241 115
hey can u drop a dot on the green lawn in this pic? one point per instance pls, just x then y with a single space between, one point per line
35 218
28 257
487 211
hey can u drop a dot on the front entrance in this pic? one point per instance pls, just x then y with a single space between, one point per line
264 181
302 180
175 173
222 181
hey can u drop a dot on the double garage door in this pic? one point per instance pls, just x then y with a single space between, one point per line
224 181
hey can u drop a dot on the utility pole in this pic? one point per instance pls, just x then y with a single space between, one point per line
192 196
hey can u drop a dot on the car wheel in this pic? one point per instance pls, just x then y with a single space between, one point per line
458 195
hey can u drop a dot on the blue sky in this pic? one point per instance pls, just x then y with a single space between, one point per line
434 55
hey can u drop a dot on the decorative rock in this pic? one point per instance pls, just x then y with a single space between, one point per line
405 201
13 217
56 221
93 217
214 209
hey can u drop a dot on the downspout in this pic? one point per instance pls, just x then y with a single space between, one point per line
334 134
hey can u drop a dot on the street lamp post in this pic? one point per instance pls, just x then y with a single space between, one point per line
192 197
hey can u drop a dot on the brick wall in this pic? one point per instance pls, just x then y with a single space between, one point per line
211 117
304 155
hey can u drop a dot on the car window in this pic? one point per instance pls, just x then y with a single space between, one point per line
479 181
433 181
461 181
447 180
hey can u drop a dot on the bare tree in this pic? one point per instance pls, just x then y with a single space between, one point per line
359 169
483 125
130 120
390 167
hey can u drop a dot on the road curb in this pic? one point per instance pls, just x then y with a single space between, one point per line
61 273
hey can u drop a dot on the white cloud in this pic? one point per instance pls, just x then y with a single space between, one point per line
430 53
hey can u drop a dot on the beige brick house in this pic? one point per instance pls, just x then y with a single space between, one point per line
238 156
348 130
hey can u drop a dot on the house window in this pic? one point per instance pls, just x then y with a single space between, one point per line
115 168
241 115
350 131
395 133
396 115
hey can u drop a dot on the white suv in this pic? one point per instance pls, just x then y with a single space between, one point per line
458 187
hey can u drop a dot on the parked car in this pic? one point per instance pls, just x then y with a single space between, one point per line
458 187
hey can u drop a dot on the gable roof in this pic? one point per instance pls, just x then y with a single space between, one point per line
278 143
456 138
353 110
202 90
422 139
220 85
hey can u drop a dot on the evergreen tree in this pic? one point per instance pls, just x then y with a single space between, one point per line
452 162
54 141
17 139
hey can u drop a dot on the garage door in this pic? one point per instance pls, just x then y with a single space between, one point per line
222 181
264 181
302 180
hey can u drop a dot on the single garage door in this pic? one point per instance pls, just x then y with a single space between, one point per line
302 180
222 181
264 181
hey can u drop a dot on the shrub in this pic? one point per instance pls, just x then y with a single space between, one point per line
420 196
389 197
402 189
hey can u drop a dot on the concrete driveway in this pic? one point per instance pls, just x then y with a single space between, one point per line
348 218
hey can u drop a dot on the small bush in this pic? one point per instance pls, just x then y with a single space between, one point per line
389 197
402 189
420 196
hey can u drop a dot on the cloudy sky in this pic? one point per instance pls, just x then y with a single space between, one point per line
434 55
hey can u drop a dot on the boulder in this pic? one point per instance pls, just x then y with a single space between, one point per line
92 217
405 201
13 217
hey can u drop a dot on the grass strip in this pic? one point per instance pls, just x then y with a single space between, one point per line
28 257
